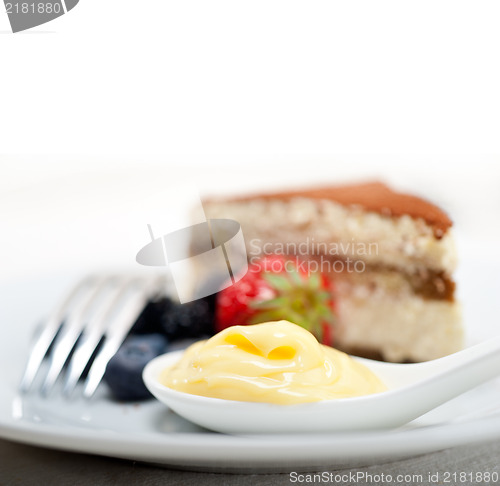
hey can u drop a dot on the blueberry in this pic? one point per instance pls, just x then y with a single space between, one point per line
124 371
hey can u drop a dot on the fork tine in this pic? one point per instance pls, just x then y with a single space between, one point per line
95 333
70 332
47 336
117 333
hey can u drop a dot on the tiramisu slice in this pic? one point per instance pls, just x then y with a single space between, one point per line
391 256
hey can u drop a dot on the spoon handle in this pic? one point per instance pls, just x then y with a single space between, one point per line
448 377
483 357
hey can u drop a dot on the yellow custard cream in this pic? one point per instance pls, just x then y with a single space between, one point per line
275 362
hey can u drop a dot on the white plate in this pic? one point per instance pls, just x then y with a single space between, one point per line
150 432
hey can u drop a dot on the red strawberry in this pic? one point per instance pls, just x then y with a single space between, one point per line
278 288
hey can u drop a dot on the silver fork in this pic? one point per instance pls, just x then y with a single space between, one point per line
100 306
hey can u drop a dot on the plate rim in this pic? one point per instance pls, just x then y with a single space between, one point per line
188 449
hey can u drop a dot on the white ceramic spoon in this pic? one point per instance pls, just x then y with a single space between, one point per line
413 389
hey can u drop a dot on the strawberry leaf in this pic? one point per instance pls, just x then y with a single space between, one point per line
278 282
269 304
295 277
314 282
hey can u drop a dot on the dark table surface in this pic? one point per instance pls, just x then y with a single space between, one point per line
34 466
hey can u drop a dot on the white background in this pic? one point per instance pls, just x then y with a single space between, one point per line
80 213
118 100
254 77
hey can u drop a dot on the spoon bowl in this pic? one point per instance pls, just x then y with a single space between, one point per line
413 389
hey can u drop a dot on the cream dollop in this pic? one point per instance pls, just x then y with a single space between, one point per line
275 362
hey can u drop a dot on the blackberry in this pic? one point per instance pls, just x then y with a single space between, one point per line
150 319
190 320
